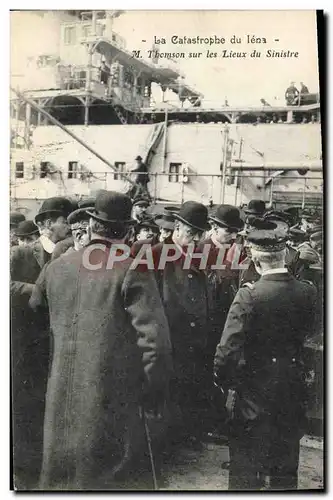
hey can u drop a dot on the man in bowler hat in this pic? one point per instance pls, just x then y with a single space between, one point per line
111 356
26 232
259 366
15 219
222 287
184 295
31 341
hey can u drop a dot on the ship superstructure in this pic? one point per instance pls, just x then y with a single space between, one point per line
105 96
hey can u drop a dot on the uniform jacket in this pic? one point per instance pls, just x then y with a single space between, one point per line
261 348
250 274
111 339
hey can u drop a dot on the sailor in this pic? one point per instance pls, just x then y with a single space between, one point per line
184 294
15 219
31 341
291 95
304 88
139 209
111 354
26 232
142 177
105 73
258 365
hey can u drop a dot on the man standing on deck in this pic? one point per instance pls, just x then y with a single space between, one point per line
142 178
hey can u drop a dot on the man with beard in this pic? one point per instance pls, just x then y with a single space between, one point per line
259 366
111 356
183 287
31 342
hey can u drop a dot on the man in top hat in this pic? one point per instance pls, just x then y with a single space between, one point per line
111 356
259 366
30 341
15 219
26 232
185 298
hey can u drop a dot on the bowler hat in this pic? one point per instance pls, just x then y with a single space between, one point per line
141 202
138 157
56 205
112 207
296 234
255 207
79 215
87 203
266 236
26 228
148 223
193 214
16 218
165 220
227 216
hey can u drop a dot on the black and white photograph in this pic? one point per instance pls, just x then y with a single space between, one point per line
167 250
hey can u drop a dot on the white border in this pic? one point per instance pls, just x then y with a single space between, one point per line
4 183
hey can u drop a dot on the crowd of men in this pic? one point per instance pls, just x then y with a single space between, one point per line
115 367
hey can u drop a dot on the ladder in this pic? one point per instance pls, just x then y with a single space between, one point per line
120 114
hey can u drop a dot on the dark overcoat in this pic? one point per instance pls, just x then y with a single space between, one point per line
111 346
29 354
185 299
260 355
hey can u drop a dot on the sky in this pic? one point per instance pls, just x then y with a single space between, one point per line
241 81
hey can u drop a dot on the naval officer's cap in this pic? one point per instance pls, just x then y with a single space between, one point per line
266 236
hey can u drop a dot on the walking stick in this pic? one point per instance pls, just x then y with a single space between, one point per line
150 450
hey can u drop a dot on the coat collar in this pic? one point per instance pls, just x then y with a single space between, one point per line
277 277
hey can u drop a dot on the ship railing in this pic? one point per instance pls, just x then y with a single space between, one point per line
217 187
